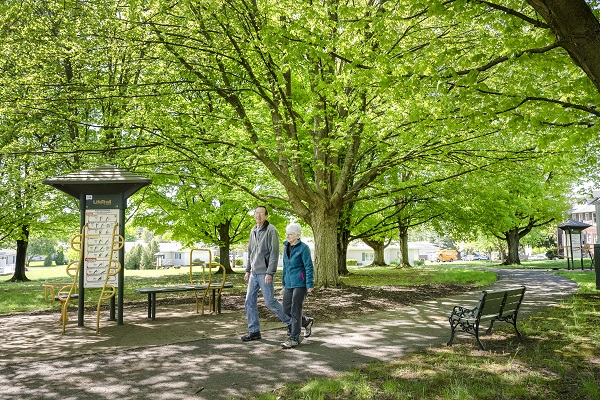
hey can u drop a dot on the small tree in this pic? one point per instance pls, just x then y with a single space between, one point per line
134 257
59 258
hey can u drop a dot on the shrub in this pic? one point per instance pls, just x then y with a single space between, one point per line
48 261
351 263
239 262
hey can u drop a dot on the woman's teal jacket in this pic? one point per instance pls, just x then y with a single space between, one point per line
297 266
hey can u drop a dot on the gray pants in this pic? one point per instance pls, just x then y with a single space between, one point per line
292 306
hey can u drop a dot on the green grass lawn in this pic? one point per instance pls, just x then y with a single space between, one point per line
29 296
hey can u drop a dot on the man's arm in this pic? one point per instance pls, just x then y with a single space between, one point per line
273 250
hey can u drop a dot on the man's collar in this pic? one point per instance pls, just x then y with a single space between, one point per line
263 226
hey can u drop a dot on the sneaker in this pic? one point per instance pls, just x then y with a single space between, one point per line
290 343
251 336
308 327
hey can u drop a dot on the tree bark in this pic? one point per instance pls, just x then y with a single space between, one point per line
343 239
576 29
378 248
403 238
512 240
19 274
324 227
225 246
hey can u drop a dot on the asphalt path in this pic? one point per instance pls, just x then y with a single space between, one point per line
211 362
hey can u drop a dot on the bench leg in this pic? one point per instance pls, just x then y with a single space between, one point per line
214 305
513 321
477 336
453 325
489 330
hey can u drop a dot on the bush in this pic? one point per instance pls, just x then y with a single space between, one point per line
60 258
351 263
552 253
419 263
239 262
48 261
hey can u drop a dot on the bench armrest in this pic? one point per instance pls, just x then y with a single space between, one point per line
462 312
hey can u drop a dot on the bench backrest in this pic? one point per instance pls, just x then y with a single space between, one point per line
497 303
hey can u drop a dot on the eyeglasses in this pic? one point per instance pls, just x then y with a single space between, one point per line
259 213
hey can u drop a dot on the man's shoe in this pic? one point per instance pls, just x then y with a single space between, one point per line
290 343
251 336
308 327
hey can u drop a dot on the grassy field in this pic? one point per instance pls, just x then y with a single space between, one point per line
29 296
559 358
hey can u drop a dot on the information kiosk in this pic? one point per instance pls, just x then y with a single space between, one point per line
102 193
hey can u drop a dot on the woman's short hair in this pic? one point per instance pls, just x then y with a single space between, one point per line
293 228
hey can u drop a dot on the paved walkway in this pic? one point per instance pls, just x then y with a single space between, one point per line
201 357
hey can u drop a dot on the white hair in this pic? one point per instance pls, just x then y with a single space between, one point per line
294 228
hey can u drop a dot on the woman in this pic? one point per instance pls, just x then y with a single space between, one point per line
297 281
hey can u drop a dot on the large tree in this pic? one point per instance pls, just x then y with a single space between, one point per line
326 98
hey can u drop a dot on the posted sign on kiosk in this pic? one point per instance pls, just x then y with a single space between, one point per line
102 224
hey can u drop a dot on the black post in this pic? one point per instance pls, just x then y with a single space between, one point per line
81 291
570 255
597 264
121 275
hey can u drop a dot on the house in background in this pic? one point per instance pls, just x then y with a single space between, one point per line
585 213
365 255
7 261
173 254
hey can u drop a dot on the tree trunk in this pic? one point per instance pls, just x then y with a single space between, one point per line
403 238
576 29
225 246
378 248
512 240
404 259
19 275
324 226
343 240
342 252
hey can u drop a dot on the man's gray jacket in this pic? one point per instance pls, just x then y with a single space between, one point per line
263 249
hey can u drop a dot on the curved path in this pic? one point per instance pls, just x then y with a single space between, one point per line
187 360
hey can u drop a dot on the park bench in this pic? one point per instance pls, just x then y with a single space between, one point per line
493 305
210 290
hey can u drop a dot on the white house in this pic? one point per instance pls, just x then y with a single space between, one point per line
364 254
7 261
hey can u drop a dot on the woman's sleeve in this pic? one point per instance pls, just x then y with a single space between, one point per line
308 267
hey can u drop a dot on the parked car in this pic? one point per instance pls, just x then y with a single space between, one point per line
538 257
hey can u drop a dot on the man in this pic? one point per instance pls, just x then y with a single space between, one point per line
263 256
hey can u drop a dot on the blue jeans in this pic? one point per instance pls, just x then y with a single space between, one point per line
256 283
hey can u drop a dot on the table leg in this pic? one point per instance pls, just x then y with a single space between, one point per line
153 306
149 305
